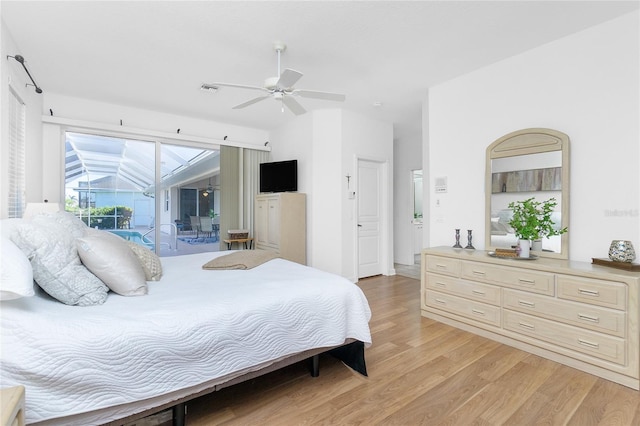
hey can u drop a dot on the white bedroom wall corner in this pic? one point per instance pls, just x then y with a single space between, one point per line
327 203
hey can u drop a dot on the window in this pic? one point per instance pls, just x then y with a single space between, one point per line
16 154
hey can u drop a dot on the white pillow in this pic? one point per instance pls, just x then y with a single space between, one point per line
8 226
109 257
16 274
51 249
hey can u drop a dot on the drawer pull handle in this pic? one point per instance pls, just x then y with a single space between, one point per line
588 318
525 281
478 292
477 311
441 284
480 273
594 293
525 325
441 301
589 344
441 266
526 304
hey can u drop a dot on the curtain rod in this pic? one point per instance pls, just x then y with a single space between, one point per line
20 59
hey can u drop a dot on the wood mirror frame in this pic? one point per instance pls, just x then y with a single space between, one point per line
539 145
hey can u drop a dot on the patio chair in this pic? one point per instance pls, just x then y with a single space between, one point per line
206 226
195 224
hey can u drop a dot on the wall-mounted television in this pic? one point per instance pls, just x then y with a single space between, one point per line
279 176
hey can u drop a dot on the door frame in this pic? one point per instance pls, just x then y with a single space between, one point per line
386 209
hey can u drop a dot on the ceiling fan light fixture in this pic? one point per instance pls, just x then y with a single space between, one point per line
280 88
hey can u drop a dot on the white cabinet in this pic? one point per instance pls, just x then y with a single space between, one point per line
280 225
578 314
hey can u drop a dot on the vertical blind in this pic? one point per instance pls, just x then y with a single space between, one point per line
16 166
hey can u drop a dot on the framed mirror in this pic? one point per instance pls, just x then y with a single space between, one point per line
529 163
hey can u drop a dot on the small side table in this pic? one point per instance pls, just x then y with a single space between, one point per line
248 242
12 404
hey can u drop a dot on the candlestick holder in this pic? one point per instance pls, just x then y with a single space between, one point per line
469 239
457 244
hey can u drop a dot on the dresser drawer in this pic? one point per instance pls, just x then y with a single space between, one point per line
524 279
596 292
586 316
472 290
478 311
443 265
598 345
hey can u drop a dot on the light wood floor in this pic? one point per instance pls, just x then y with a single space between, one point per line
422 372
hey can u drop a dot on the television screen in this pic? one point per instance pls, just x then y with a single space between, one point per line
279 176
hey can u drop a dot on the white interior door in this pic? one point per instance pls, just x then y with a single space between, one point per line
369 218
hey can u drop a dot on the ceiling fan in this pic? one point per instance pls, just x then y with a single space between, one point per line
280 88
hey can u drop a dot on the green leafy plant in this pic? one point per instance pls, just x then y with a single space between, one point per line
532 219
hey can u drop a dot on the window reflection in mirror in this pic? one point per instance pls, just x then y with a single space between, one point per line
518 178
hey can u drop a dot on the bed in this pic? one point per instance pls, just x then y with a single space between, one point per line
191 332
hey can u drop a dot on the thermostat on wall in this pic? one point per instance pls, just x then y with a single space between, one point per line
441 184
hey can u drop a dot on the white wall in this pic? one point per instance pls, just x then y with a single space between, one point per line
585 85
12 71
326 144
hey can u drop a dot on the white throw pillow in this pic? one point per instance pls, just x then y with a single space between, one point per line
50 247
16 274
109 257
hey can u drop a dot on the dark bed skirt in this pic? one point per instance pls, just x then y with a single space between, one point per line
352 355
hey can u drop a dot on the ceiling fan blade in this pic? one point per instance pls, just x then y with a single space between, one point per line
288 78
251 102
293 105
327 96
206 86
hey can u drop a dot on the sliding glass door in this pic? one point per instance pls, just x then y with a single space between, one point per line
167 204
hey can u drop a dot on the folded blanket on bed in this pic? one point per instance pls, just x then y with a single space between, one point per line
244 259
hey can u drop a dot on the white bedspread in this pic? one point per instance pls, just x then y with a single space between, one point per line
194 326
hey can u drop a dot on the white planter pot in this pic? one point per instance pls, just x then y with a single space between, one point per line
536 245
525 246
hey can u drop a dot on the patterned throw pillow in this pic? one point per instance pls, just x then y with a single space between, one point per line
48 241
149 260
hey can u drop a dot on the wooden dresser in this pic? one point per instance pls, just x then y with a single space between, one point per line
12 406
575 313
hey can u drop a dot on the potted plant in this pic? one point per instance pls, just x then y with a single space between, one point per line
532 221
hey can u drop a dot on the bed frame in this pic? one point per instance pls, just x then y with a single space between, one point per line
351 353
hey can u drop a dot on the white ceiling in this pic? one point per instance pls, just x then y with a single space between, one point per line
156 54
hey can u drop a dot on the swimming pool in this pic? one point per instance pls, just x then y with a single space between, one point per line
134 236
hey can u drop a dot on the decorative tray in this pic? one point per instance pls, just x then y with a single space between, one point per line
499 256
634 267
